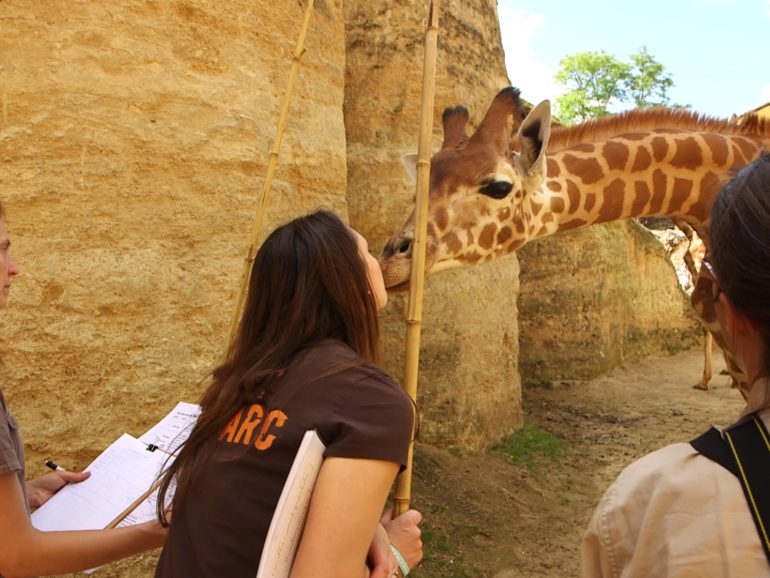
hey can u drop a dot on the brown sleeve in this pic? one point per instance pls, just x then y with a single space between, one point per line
373 419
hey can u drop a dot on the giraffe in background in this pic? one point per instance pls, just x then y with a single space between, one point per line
490 194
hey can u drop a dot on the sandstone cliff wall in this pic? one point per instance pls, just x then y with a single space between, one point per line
594 298
134 138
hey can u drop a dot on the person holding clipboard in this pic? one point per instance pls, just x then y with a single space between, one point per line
25 551
304 357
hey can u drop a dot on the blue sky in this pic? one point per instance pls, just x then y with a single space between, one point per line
716 51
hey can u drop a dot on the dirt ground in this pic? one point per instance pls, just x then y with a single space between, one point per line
486 516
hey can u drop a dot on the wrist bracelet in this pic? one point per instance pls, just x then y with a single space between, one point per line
402 565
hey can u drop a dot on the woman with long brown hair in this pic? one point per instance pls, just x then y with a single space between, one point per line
305 357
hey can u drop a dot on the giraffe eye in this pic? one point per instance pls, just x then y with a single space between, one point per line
496 189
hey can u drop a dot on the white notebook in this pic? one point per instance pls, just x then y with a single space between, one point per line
289 517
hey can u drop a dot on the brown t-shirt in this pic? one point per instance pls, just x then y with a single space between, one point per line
358 411
11 448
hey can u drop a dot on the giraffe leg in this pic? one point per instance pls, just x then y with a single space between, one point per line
708 341
690 259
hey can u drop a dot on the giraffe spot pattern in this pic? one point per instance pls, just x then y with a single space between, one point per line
642 160
583 148
504 214
658 191
487 236
679 194
504 235
573 224
687 154
589 169
738 159
573 194
557 205
634 136
612 207
554 186
659 148
536 208
718 146
641 197
471 258
452 243
748 148
616 155
441 219
590 201
552 168
709 186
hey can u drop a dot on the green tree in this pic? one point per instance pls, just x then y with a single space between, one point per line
597 80
648 83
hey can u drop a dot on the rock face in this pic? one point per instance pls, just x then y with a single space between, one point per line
134 140
594 298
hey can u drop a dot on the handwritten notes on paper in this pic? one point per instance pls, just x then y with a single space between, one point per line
120 476
170 432
124 471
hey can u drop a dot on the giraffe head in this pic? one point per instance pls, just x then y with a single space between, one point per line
479 191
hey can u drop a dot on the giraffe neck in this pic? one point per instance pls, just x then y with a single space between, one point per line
653 172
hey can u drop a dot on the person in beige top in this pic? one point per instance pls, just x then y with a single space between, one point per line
675 513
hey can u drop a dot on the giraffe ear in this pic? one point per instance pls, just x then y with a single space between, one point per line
410 165
494 128
454 121
533 136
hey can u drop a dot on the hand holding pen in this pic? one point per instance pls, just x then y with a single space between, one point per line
53 465
41 489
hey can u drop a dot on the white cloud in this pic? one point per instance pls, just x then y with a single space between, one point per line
528 73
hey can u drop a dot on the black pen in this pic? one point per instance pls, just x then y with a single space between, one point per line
53 465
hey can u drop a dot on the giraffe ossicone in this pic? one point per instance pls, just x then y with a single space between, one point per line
490 193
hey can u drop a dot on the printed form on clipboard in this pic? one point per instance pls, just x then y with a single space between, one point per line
288 521
123 483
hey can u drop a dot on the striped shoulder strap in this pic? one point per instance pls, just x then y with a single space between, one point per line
744 449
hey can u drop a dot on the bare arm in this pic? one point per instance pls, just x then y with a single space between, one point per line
344 512
24 551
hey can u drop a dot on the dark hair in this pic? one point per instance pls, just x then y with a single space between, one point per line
308 282
740 244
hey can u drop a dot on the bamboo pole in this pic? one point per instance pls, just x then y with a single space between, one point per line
417 279
245 276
